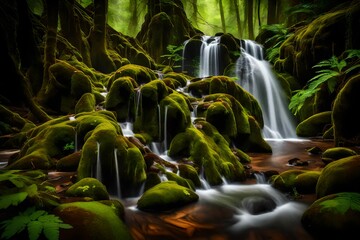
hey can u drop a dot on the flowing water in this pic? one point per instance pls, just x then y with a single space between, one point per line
209 56
256 76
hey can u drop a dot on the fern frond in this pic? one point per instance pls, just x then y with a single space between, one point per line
12 199
34 229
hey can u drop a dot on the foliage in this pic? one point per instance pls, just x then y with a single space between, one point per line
173 55
332 72
69 146
36 222
281 33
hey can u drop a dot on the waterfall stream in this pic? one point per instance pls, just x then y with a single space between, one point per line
255 75
209 56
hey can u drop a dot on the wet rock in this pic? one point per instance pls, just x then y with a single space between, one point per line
258 205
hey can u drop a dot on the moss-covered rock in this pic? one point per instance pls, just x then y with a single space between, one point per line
315 125
339 176
69 163
189 172
121 98
296 181
334 216
209 151
88 187
335 153
86 103
166 196
140 74
91 220
346 122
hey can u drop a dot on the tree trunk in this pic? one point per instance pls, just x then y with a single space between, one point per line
71 30
52 9
223 25
272 14
100 58
238 20
250 16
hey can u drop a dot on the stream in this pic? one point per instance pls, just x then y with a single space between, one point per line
249 210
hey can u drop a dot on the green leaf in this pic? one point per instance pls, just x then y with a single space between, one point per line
32 190
51 230
12 199
15 225
34 229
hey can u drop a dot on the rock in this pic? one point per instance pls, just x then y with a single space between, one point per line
339 176
166 196
333 154
335 216
91 220
88 187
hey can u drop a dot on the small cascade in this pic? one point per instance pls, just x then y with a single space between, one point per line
117 175
209 56
138 102
98 171
260 178
127 129
256 76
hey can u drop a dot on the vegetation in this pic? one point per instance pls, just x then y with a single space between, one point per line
332 73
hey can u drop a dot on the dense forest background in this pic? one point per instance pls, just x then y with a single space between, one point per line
242 18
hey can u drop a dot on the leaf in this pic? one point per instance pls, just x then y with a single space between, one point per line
34 229
15 225
32 190
51 230
12 199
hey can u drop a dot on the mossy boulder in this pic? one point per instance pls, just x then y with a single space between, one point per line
180 180
314 126
66 86
88 187
189 172
339 176
147 119
86 103
345 117
69 163
335 153
209 151
296 181
91 220
115 154
140 74
166 196
335 216
121 98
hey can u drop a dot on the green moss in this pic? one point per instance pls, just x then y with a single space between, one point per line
335 153
180 180
88 187
189 172
166 196
86 103
91 220
208 149
314 125
121 97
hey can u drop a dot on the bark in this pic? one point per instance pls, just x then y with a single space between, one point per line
250 16
52 9
223 25
238 20
100 58
272 13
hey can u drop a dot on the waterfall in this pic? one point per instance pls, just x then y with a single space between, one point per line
209 56
98 171
118 186
256 76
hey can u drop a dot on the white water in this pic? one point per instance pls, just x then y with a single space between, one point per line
209 56
256 76
117 174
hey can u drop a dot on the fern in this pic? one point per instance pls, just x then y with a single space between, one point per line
12 199
36 222
331 72
173 55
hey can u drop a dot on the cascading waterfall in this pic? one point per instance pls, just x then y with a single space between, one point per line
256 76
98 171
209 56
117 174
